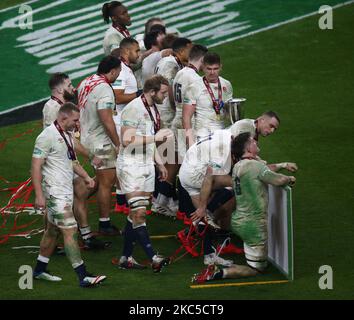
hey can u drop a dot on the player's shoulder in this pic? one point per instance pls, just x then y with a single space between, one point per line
225 83
136 105
102 89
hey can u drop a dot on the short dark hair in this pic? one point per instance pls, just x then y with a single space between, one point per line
197 52
108 9
127 42
167 42
238 145
180 43
68 108
150 23
159 28
107 64
211 58
150 39
154 83
271 114
57 79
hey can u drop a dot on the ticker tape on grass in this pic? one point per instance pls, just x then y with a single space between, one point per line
235 284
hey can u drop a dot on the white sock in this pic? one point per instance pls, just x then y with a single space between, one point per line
43 259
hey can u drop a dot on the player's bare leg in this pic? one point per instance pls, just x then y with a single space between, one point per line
81 194
106 179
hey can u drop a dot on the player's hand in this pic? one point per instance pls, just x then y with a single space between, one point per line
97 162
163 172
200 213
90 183
40 203
163 134
292 181
292 167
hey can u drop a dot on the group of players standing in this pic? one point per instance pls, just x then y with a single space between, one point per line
145 120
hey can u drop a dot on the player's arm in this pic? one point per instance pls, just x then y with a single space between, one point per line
80 171
124 98
106 118
36 175
163 173
80 149
275 179
290 166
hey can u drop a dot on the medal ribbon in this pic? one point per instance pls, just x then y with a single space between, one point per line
57 100
157 123
216 104
72 155
123 30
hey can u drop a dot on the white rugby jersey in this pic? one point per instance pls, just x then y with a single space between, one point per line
149 65
93 134
112 40
184 78
50 112
126 81
57 170
206 120
212 151
136 116
168 68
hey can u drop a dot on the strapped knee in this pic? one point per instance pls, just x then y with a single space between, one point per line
138 207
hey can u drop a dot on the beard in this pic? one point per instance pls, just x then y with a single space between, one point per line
156 100
71 97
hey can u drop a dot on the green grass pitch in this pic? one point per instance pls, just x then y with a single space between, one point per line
307 76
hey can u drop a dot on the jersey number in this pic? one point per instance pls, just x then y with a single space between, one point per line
178 92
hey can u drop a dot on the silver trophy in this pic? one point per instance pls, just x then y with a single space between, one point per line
234 109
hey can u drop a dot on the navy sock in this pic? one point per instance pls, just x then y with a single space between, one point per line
221 197
218 275
40 267
208 248
121 200
105 224
81 271
166 189
144 240
129 239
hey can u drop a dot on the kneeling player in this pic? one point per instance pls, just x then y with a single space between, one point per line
250 178
140 128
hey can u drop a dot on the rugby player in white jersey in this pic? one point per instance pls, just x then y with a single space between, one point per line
125 90
168 68
154 40
99 134
210 153
120 18
165 196
140 129
205 100
250 178
63 91
184 78
265 125
54 163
